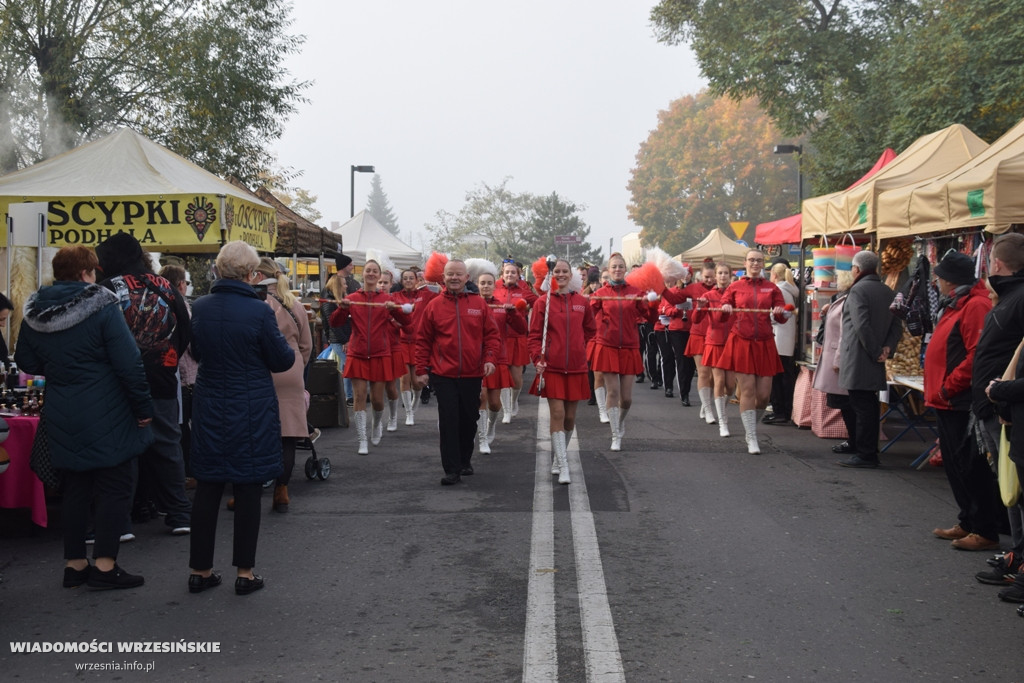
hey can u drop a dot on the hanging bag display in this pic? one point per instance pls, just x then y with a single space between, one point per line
824 258
845 252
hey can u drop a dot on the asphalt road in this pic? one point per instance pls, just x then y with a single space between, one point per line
680 558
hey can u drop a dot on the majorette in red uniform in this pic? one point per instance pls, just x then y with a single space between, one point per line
561 325
509 289
695 344
418 297
369 348
397 355
750 350
719 326
672 339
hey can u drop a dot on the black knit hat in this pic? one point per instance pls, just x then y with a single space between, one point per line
956 268
119 254
342 261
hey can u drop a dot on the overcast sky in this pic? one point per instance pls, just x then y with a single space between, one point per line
442 96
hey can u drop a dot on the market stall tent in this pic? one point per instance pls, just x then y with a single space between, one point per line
789 230
364 232
718 246
125 182
855 210
986 190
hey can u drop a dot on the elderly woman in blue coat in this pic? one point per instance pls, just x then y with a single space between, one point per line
236 428
98 409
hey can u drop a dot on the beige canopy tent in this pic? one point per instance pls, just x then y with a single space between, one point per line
855 210
718 246
985 190
364 232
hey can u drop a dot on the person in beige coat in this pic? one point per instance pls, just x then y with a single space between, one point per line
293 323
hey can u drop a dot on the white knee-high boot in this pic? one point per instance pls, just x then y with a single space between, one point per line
360 417
623 412
407 399
492 424
506 405
721 402
706 404
601 395
749 418
392 414
378 427
481 432
613 419
559 450
515 401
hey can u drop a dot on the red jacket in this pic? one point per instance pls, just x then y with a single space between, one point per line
510 319
569 316
456 336
509 295
754 293
617 320
418 298
717 324
370 336
696 290
949 359
679 320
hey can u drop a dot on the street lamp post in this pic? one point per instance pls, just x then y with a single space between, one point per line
798 150
352 186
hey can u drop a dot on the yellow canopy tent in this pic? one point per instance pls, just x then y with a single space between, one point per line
985 190
855 210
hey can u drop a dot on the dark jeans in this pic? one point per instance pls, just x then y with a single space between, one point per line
975 489
668 359
686 368
458 404
204 524
651 357
865 409
186 427
109 490
783 385
288 452
162 465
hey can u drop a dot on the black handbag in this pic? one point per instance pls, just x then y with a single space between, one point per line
39 461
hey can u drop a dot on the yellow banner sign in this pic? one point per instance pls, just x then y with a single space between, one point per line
161 223
739 227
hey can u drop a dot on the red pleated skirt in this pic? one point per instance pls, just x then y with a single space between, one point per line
499 379
566 386
517 352
712 357
398 361
694 346
615 360
372 370
750 357
409 353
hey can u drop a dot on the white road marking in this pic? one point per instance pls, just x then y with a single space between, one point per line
600 643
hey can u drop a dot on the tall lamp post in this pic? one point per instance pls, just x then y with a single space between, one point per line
798 150
352 186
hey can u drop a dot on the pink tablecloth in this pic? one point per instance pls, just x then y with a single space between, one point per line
19 486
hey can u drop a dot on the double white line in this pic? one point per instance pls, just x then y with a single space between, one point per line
600 644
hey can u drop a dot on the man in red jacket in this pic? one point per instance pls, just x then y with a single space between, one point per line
457 345
948 368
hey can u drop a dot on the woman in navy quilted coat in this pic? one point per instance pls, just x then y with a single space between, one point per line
98 409
236 428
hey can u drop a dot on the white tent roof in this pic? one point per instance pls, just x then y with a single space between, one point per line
363 232
120 164
718 246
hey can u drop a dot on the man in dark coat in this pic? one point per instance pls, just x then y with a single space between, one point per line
870 334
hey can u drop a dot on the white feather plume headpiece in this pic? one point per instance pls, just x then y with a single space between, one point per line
476 267
671 269
374 254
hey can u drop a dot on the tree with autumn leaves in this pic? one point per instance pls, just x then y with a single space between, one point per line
709 162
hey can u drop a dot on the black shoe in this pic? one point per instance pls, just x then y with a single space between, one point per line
425 399
244 586
844 447
197 583
639 379
115 578
776 420
1014 593
73 578
1002 573
686 401
592 401
349 402
466 471
450 479
767 418
669 394
858 462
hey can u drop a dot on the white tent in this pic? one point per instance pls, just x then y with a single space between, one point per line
364 232
718 246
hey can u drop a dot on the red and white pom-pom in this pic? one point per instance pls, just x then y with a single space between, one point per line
647 278
521 305
433 271
652 296
539 268
407 308
788 310
671 270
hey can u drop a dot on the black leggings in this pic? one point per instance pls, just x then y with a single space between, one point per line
204 524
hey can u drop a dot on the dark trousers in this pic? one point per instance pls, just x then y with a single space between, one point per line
841 402
186 427
668 358
783 385
162 465
204 524
643 329
686 368
975 489
865 412
458 404
109 491
288 452
651 361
